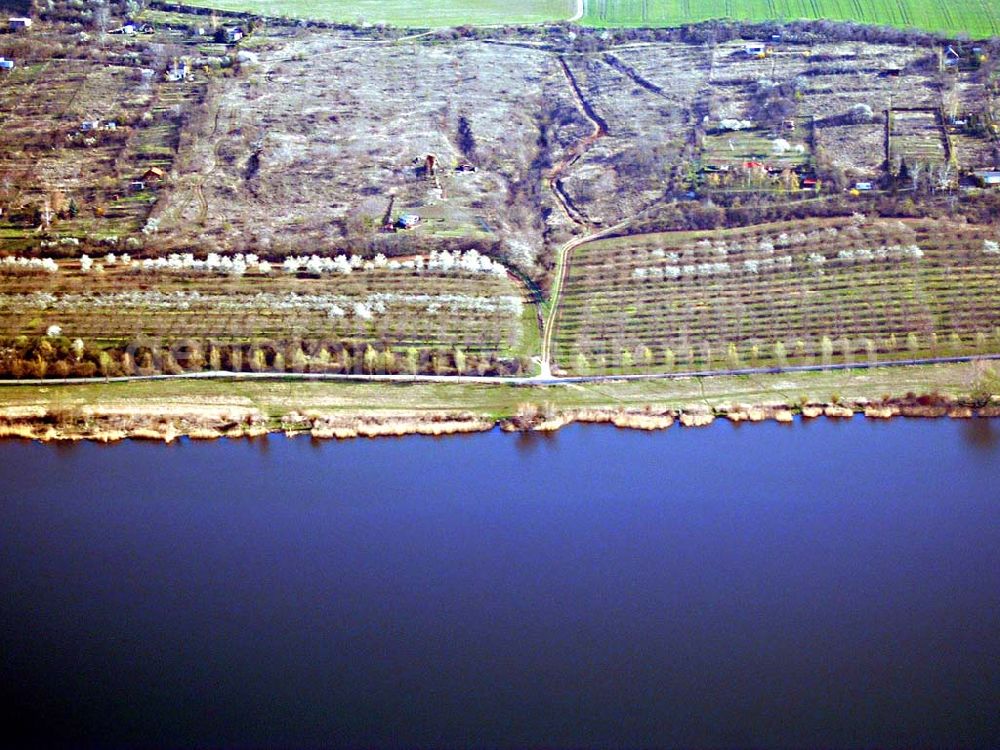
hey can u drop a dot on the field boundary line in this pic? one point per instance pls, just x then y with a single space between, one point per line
496 380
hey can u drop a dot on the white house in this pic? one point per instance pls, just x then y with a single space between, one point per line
18 24
178 72
91 125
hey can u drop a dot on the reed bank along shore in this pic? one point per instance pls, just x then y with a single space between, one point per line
210 409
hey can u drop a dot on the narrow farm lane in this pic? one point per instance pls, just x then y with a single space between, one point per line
537 380
563 259
552 181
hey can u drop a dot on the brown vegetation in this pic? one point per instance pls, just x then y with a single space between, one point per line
209 423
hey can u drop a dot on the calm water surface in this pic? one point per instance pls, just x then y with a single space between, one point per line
832 584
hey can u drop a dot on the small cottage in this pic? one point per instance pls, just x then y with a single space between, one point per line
19 24
407 221
178 72
153 175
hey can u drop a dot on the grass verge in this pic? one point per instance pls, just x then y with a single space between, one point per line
277 398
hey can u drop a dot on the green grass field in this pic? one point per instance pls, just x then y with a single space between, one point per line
417 13
978 18
277 398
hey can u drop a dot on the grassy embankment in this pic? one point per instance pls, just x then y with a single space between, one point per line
278 398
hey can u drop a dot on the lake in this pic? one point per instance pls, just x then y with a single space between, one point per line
826 583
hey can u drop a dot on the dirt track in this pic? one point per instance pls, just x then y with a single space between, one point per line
538 380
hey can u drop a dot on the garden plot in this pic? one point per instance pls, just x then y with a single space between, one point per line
969 108
61 93
969 96
48 106
47 157
783 150
840 76
864 57
916 138
739 152
857 149
155 140
780 294
975 152
829 81
321 137
829 95
181 31
732 65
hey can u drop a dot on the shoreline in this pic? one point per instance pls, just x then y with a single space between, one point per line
206 409
208 424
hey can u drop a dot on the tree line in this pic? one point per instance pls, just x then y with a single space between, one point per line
41 357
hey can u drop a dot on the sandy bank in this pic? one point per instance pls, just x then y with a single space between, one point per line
168 422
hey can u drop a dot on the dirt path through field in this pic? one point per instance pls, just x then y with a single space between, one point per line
537 380
600 130
27 94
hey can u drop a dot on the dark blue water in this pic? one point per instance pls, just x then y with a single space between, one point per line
830 584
